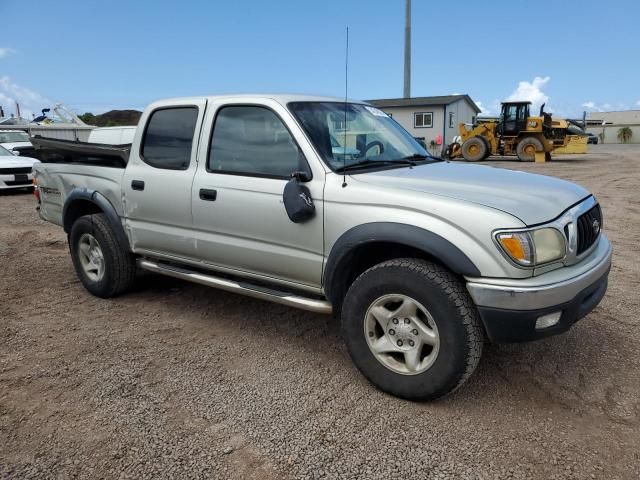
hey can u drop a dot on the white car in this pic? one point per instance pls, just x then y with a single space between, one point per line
15 171
17 142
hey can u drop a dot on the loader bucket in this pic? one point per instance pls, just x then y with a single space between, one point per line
573 144
453 150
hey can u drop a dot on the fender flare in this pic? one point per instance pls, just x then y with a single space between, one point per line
103 204
431 243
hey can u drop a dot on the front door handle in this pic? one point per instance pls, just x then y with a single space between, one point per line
208 195
137 184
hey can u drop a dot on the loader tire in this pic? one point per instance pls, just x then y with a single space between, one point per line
488 154
474 149
527 148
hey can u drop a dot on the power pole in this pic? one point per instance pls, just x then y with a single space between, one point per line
407 50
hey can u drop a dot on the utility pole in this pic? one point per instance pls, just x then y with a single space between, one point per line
407 50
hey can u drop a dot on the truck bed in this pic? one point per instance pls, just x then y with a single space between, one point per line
52 150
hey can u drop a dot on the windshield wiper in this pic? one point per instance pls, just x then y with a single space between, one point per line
420 156
369 163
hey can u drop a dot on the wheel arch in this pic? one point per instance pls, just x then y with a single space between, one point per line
83 201
369 244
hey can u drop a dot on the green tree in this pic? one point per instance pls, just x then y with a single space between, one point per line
624 134
88 118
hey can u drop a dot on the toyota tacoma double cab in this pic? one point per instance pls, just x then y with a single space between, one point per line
330 206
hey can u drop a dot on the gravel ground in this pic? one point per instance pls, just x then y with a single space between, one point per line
177 380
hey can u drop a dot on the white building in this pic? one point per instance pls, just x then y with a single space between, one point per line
607 124
430 118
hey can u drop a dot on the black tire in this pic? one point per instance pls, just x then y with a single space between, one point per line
455 315
488 154
119 263
525 146
474 149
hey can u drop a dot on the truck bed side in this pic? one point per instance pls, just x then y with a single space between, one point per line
70 165
56 181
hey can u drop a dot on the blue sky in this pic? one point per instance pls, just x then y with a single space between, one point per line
98 55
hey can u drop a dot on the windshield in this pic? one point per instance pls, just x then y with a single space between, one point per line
363 135
11 137
4 152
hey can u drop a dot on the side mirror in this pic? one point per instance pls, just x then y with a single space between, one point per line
301 176
297 198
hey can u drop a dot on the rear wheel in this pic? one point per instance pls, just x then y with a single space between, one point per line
412 329
527 148
104 267
474 149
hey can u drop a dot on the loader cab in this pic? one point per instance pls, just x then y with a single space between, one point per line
513 118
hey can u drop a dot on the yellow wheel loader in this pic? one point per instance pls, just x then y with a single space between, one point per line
515 133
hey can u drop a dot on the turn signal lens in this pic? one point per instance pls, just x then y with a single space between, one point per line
533 247
518 246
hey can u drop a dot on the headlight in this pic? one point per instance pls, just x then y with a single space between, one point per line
549 245
533 247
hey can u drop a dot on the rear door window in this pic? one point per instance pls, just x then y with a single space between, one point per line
168 138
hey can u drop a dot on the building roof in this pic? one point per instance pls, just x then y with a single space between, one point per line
423 101
617 117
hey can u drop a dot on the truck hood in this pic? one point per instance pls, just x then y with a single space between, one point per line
17 162
530 197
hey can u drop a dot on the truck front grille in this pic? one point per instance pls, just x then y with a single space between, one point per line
13 171
15 183
589 226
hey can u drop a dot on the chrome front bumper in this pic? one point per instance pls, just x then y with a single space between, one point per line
547 290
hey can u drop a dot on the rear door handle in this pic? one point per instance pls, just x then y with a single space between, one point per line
137 184
209 195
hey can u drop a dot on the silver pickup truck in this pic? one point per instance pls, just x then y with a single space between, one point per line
330 206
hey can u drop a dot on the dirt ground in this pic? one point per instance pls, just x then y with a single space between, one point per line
176 380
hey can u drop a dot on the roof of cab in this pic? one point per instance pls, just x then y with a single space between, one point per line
282 98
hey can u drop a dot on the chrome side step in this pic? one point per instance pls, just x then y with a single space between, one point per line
284 298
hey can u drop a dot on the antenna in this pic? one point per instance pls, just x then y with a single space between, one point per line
346 90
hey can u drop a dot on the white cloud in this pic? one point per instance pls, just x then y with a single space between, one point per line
491 110
638 103
531 91
6 51
591 106
486 111
30 102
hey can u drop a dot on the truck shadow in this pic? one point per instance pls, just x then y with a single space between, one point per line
567 371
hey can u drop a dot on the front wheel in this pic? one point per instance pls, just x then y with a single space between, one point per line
475 149
412 329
